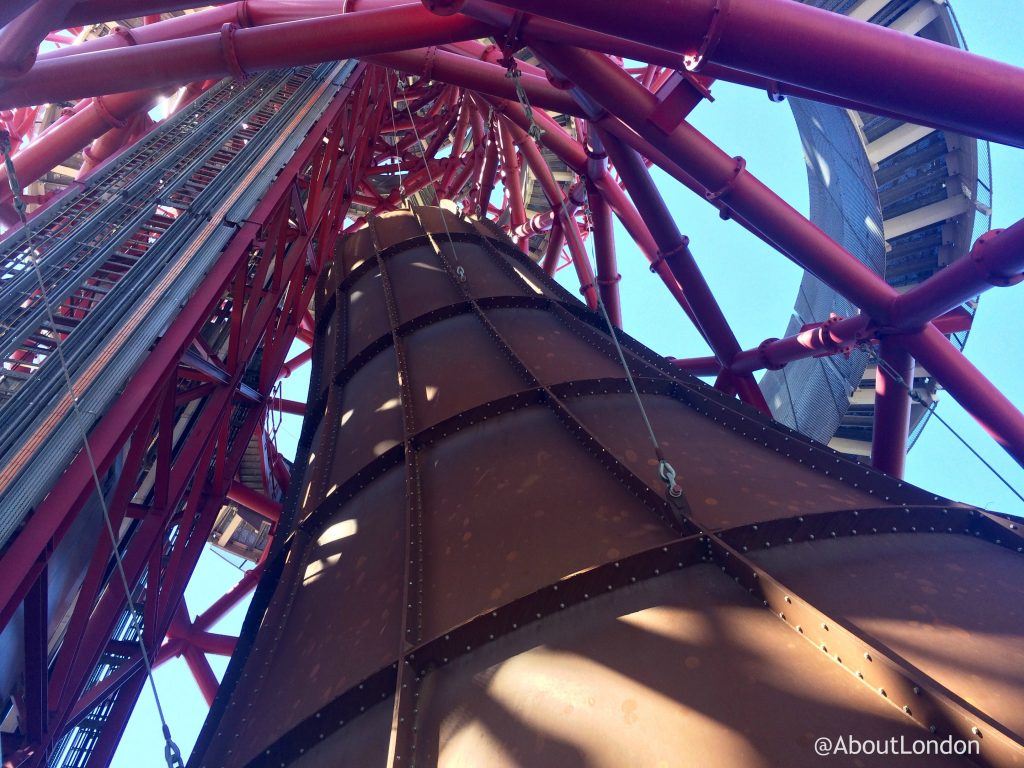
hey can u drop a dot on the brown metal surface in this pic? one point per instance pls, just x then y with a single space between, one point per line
484 568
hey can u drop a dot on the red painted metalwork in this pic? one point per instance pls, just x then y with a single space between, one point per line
460 131
894 374
786 41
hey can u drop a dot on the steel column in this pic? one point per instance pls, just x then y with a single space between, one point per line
892 407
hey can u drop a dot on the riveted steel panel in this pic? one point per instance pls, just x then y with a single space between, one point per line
682 670
951 605
727 479
505 513
485 567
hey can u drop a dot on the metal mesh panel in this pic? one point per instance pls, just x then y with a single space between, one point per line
812 395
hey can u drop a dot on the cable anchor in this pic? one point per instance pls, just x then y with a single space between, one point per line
668 474
516 74
171 752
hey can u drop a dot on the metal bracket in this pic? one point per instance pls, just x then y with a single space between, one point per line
740 167
665 255
694 62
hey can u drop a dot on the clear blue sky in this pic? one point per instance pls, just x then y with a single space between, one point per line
756 288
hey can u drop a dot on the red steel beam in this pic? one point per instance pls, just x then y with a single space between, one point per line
724 177
997 259
787 41
236 52
476 75
892 407
604 256
674 248
198 446
262 505
557 200
202 673
100 116
979 397
20 38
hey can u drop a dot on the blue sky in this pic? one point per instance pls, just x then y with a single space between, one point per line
756 287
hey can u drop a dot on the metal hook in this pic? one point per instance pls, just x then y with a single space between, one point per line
668 474
173 755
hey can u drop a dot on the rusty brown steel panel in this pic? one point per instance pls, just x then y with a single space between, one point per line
506 514
727 480
480 565
360 743
482 375
682 670
951 605
550 350
342 612
369 411
367 315
426 287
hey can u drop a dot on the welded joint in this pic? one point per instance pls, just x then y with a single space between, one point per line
764 359
694 61
984 268
111 119
230 52
428 62
609 280
242 14
125 34
669 254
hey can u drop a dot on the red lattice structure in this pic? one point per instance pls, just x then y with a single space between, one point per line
173 261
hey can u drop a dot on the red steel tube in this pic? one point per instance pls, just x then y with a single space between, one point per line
42 155
202 672
511 177
243 13
174 62
556 199
787 41
488 173
20 39
97 11
12 9
228 600
892 408
821 340
257 502
573 154
725 176
556 241
604 256
476 75
674 247
295 363
979 397
997 259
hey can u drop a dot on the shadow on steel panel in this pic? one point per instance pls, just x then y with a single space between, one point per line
485 567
